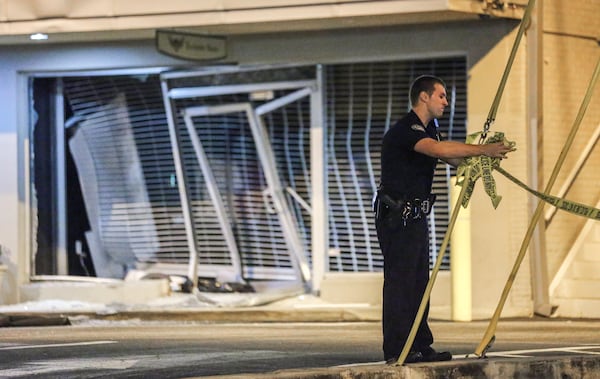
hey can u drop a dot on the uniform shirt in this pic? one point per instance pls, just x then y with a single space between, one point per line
406 174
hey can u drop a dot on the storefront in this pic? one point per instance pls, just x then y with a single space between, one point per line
263 162
285 139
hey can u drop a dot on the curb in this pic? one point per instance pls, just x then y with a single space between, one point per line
547 367
326 314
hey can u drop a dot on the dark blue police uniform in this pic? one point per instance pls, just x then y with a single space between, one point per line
401 222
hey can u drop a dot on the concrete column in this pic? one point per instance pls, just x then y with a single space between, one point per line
460 260
318 173
535 112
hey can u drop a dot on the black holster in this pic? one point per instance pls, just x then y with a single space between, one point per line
401 210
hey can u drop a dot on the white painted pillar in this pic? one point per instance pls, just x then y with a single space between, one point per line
460 260
318 173
537 246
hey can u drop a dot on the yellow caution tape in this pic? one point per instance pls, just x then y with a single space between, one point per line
560 203
482 167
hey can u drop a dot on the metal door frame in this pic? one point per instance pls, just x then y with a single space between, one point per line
303 88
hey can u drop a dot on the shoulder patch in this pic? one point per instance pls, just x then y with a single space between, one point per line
418 128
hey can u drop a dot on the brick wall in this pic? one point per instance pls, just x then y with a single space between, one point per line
571 53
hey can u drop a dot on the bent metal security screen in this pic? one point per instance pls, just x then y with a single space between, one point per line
124 207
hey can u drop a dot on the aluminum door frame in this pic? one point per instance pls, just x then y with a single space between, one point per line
267 160
214 193
305 87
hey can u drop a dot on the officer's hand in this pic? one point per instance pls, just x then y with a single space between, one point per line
498 150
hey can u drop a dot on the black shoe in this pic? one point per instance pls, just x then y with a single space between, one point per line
430 355
412 357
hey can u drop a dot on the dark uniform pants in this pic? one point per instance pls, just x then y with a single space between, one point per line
405 251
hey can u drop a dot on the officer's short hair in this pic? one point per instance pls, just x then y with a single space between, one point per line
423 83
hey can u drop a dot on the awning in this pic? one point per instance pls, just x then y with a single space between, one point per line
83 20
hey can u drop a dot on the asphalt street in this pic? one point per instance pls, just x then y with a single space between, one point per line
142 349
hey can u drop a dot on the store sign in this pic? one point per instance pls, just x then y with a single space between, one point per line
191 46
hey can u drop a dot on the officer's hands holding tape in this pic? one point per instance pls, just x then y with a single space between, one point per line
497 150
454 152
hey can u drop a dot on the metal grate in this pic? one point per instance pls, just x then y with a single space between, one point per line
363 100
143 116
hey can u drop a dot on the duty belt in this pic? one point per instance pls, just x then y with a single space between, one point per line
408 208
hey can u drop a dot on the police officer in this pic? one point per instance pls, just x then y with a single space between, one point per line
409 154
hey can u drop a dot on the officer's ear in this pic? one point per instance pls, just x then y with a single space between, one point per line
423 96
